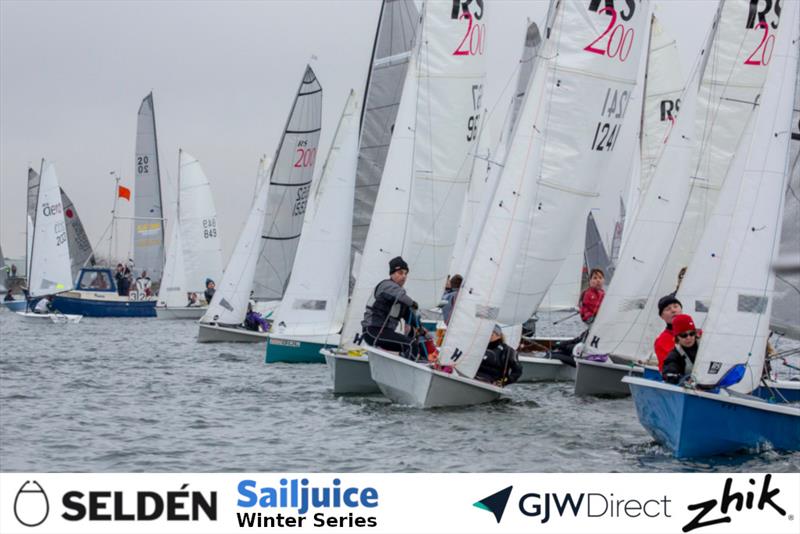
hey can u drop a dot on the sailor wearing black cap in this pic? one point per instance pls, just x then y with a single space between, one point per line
388 304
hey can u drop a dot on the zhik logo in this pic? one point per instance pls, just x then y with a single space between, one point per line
495 503
31 506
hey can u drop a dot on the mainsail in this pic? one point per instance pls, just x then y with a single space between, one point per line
737 326
316 298
148 227
80 247
50 266
290 184
394 39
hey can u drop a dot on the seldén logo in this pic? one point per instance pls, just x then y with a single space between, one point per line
495 503
705 518
31 506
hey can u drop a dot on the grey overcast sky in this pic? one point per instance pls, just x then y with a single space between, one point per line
223 75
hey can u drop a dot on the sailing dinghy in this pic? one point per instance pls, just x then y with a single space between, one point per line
712 412
715 108
289 183
528 227
50 270
398 22
195 253
311 313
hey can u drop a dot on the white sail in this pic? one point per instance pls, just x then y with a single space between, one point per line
50 265
486 169
550 170
290 184
394 39
229 304
590 89
202 251
172 292
316 298
737 326
663 88
672 211
148 228
786 307
428 165
33 196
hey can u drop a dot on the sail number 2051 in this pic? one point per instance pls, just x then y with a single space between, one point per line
474 41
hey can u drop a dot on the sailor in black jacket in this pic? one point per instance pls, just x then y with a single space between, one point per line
500 363
680 361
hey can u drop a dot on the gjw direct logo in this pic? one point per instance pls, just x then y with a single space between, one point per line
547 505
32 505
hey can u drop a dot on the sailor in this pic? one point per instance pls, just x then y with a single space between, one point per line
210 289
449 297
9 297
253 320
680 360
143 285
122 281
500 364
193 300
44 305
387 305
668 308
593 296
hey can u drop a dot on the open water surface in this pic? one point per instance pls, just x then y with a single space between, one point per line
119 395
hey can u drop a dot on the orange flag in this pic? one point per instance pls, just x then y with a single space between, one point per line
124 192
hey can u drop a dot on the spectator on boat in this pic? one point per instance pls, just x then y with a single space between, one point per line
387 305
500 364
680 360
668 308
44 305
144 285
194 301
254 321
9 297
122 282
210 289
449 298
592 298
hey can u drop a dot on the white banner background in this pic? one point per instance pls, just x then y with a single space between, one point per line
430 503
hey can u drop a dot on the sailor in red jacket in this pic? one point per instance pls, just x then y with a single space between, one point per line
668 308
593 296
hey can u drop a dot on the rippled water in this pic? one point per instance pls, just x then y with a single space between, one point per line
143 395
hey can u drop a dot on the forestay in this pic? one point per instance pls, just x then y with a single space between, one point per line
397 26
316 298
551 171
738 321
202 252
590 84
229 304
428 165
290 184
148 229
50 266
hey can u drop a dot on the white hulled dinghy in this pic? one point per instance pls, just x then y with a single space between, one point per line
712 411
194 254
528 227
50 268
289 183
398 22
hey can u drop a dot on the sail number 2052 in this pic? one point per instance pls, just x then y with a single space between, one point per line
474 41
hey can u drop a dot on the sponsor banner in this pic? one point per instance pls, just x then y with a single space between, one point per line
383 503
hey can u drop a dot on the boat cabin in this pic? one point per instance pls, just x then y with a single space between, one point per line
96 279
